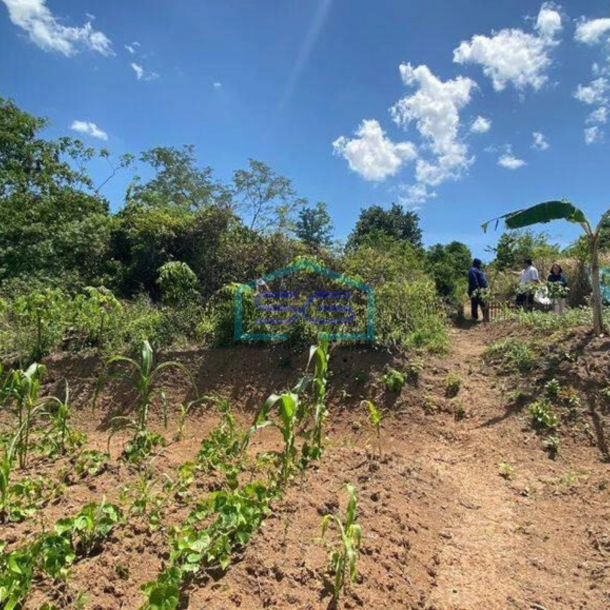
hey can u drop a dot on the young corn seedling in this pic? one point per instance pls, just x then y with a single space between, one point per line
143 380
21 389
61 435
375 418
288 411
343 560
319 411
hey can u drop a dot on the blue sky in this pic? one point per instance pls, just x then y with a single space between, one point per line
358 102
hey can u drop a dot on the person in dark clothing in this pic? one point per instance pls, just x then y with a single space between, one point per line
477 280
556 276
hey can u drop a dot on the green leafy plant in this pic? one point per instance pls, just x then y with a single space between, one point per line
91 462
344 558
394 381
375 418
413 369
543 416
453 383
552 388
143 380
287 405
60 435
511 354
20 390
506 470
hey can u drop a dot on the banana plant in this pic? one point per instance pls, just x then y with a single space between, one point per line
564 210
344 559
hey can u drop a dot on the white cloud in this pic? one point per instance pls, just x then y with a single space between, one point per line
480 125
434 108
46 31
217 85
371 154
512 56
142 74
594 93
415 194
133 47
509 161
592 31
548 23
598 116
593 135
90 129
539 141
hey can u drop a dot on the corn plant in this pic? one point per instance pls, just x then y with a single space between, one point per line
318 354
343 560
20 390
7 463
288 411
60 436
375 418
143 380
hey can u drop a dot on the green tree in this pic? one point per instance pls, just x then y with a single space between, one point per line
314 226
52 224
178 182
564 210
448 264
515 246
396 223
265 199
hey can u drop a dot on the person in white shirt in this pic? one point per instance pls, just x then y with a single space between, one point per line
529 276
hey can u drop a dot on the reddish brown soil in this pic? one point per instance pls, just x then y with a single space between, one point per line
441 527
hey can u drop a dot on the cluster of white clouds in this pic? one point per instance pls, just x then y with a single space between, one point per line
512 56
434 107
47 32
595 32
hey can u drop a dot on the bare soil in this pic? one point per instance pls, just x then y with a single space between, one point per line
442 528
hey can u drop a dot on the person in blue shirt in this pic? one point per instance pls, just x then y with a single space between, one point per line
477 279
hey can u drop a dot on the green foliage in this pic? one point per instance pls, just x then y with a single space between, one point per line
52 223
144 382
375 222
233 517
91 463
178 283
394 381
511 354
453 383
515 246
52 553
344 558
543 415
375 418
314 226
448 265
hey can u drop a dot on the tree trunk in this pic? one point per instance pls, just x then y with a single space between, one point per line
596 297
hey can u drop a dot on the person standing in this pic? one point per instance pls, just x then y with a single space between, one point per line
527 284
556 277
477 280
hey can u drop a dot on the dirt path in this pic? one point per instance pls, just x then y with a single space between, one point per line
519 543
